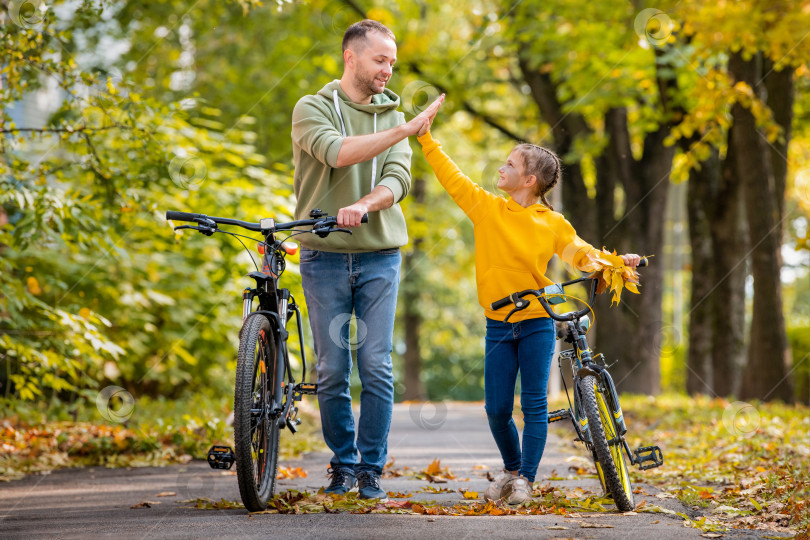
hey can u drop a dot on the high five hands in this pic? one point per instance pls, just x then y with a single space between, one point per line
382 197
421 123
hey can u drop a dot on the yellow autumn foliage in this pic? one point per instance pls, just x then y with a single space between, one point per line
613 274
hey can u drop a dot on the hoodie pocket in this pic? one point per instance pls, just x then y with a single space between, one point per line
497 283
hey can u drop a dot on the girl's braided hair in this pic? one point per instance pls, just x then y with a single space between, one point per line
544 165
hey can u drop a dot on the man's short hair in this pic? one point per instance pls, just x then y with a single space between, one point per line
358 31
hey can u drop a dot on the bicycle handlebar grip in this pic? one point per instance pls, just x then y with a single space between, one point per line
644 262
181 216
498 304
364 219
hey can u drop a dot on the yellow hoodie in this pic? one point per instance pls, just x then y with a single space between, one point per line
513 244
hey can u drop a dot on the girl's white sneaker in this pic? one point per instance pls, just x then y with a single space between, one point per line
521 490
499 487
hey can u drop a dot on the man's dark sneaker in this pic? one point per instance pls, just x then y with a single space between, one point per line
368 484
342 480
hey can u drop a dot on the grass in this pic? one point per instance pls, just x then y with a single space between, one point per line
158 432
748 465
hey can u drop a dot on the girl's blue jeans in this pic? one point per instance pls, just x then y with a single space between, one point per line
524 347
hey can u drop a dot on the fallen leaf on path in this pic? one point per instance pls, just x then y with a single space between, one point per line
435 467
290 472
166 494
432 489
144 504
589 525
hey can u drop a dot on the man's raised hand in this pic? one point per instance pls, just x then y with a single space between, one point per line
421 123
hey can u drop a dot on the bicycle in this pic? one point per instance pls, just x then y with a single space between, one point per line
265 391
596 413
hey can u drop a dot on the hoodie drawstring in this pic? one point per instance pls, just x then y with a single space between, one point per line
343 129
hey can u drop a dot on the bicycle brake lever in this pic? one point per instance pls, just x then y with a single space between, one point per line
323 232
207 231
520 305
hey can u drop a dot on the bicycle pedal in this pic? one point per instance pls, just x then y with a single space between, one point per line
306 388
220 457
644 454
556 416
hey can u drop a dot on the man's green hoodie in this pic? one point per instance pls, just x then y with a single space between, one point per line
317 135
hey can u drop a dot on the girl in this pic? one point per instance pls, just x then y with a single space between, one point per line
515 239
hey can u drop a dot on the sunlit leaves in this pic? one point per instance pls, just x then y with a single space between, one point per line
613 274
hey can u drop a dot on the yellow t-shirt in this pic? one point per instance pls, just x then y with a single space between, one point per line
513 244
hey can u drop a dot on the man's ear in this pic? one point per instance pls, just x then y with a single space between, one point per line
348 58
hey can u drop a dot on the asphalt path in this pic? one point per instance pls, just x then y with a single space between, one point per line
98 502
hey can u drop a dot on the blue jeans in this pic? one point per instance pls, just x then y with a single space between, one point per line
525 346
335 286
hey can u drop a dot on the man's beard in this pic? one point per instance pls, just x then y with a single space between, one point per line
366 84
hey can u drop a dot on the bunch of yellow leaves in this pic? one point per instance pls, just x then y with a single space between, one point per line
613 275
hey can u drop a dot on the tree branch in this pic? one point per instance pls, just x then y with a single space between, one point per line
81 129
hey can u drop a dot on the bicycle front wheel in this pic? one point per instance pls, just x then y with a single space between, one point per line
255 430
607 445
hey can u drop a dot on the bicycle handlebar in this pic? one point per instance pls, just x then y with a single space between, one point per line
517 298
263 226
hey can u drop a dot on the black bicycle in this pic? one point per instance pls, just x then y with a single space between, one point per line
266 390
596 413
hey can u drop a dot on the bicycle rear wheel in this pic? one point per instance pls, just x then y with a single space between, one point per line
606 444
255 431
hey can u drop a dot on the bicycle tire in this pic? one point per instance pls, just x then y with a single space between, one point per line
610 456
256 439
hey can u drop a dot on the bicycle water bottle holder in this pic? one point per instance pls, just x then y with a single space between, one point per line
644 454
220 457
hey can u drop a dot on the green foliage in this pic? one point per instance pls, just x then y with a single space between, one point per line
95 288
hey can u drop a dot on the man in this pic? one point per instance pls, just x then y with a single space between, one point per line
352 157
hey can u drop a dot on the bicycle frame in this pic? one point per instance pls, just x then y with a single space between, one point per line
581 358
278 305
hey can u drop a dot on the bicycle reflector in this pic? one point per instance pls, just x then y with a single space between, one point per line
260 247
554 294
585 323
291 248
220 457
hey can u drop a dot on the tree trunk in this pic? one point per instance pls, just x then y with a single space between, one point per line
411 288
699 215
634 333
631 332
780 96
728 273
765 375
